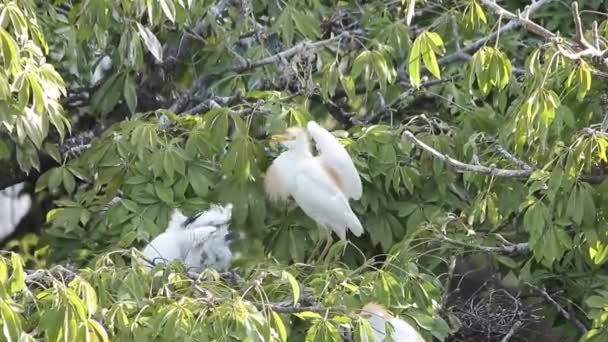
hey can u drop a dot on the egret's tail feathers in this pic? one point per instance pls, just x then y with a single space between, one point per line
176 220
354 225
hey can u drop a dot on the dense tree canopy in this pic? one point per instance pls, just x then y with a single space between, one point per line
479 129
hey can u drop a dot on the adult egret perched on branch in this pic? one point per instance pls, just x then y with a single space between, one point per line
320 185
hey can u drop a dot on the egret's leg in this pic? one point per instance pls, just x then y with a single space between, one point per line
328 243
318 245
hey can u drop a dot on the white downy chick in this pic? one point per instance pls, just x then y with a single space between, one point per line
377 316
200 241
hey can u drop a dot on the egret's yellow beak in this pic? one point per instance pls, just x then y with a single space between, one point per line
277 138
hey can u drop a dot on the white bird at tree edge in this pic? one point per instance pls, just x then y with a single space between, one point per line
378 316
321 185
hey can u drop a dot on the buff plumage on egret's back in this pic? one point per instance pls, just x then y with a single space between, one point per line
320 185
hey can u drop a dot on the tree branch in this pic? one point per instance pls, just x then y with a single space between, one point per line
467 167
11 173
579 325
492 170
183 99
199 29
476 45
522 17
516 249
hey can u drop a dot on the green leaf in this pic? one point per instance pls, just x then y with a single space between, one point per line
295 287
55 178
199 181
17 279
130 94
414 62
279 326
11 323
309 315
151 41
165 194
69 183
430 61
168 8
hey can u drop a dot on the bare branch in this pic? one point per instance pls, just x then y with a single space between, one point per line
215 101
476 45
594 132
467 167
183 100
516 249
579 325
512 332
522 18
197 32
491 170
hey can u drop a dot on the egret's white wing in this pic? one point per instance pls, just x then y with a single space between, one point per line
321 199
404 331
198 236
279 180
337 160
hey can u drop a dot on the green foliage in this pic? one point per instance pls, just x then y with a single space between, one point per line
224 76
112 301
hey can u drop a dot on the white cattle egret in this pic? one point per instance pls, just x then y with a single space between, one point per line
14 205
320 185
201 241
377 316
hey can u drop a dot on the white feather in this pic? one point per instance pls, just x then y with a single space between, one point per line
175 244
279 183
378 317
200 244
213 252
322 200
335 157
13 207
176 220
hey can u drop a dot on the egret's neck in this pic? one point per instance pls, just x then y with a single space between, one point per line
302 145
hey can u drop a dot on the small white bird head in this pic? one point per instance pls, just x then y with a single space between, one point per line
291 138
216 215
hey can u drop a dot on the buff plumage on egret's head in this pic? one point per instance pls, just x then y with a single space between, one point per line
378 316
320 185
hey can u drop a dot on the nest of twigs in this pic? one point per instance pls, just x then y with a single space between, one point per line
491 314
